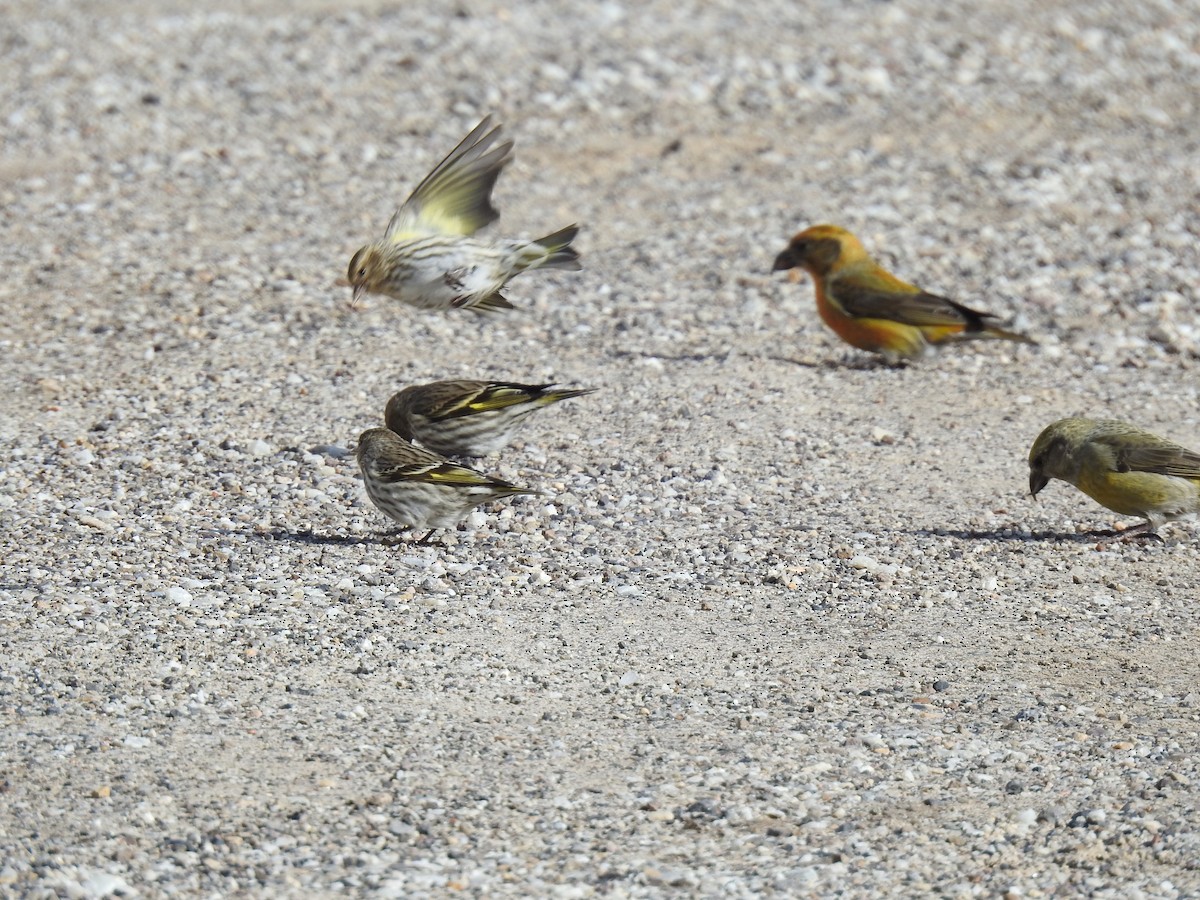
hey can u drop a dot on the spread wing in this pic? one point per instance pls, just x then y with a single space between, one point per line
456 197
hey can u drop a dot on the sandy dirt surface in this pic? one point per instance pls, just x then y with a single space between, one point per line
784 621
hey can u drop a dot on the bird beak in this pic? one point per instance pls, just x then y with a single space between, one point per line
359 290
1037 481
784 261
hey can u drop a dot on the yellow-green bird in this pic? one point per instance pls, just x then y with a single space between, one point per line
1120 466
428 258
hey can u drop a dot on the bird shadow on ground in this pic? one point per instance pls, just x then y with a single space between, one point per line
858 364
308 536
392 540
675 357
854 363
1033 537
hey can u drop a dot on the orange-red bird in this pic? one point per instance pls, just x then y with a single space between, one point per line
870 308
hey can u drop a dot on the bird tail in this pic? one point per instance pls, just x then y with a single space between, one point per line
512 490
492 303
556 394
978 326
554 251
1001 334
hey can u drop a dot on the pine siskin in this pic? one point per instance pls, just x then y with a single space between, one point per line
427 257
419 489
467 418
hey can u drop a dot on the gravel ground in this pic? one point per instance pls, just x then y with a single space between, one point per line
784 622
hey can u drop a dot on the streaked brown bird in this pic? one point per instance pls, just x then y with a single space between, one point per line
419 489
468 418
428 258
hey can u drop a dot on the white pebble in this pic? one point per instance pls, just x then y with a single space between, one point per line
179 595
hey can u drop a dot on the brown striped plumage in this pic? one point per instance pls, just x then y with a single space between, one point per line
420 489
468 418
427 257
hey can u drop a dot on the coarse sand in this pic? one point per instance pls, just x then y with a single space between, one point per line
784 621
